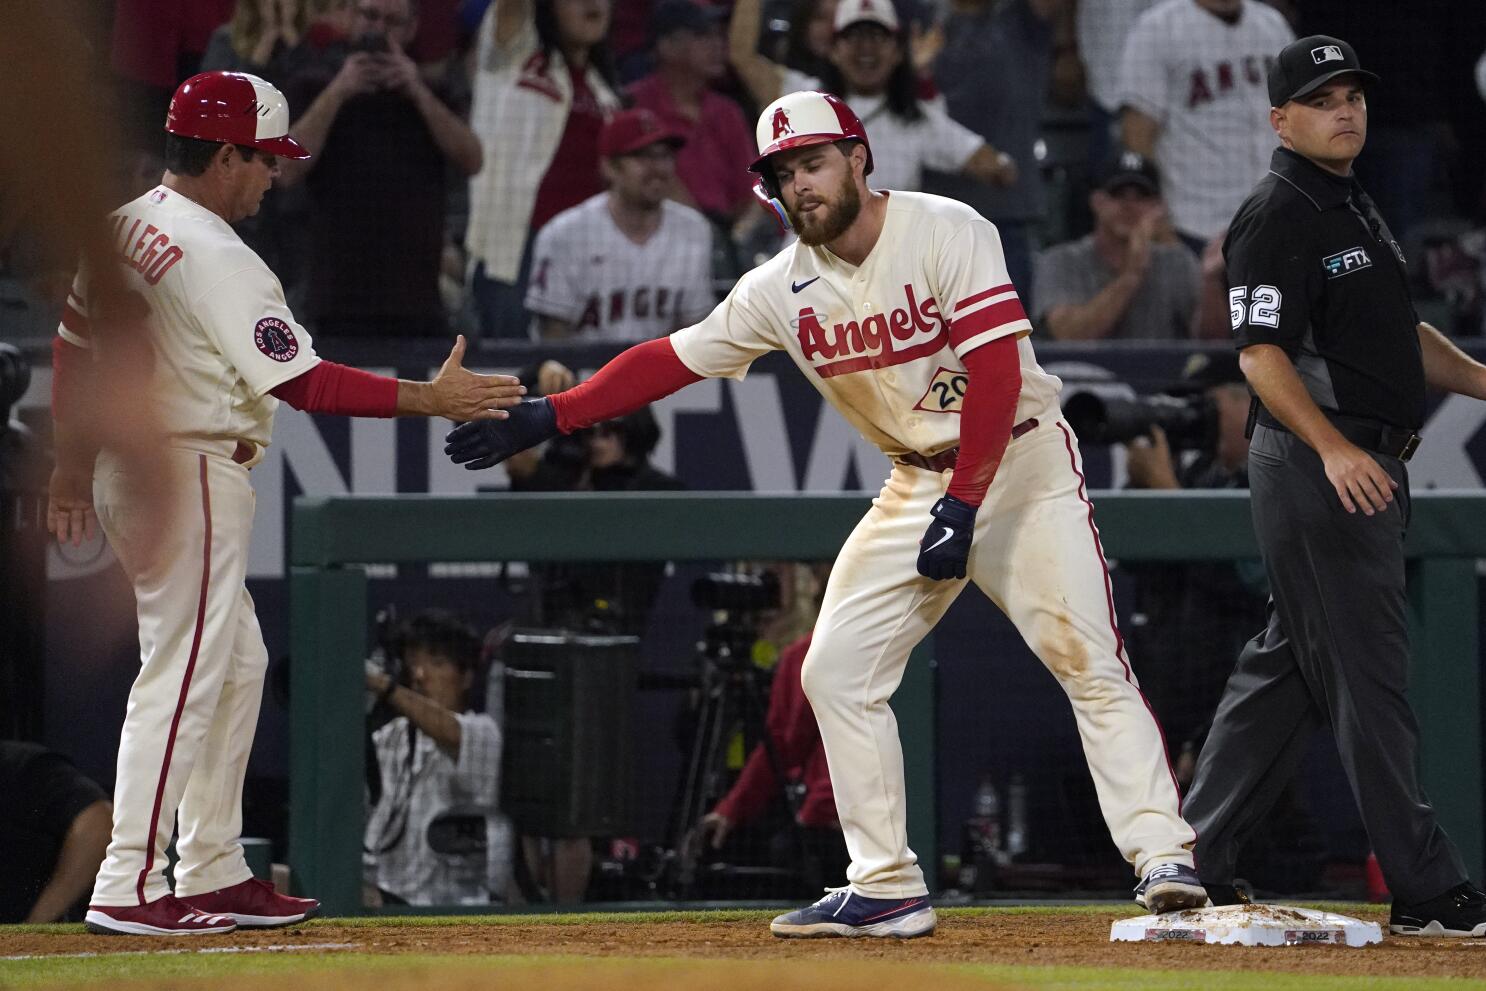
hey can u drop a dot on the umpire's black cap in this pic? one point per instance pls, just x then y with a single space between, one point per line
1307 64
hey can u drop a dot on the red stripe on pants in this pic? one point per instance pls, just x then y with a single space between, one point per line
1114 626
180 705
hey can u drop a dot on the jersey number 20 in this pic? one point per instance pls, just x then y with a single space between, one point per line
1263 307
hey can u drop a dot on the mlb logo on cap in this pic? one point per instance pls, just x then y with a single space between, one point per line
1327 53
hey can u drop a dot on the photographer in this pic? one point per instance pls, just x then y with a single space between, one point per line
594 597
434 836
609 457
381 139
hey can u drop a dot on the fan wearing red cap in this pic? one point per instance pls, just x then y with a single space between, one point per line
227 349
628 264
897 306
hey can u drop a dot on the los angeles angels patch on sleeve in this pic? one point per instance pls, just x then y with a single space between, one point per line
946 392
275 339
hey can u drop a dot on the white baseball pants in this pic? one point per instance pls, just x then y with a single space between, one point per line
193 709
1037 556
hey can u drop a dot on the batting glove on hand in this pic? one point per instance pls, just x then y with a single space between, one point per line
946 545
484 443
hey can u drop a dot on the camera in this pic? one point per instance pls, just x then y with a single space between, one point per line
1190 422
728 643
370 43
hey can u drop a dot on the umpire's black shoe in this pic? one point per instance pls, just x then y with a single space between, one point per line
1237 893
1461 911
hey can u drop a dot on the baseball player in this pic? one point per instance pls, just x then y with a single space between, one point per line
226 350
897 307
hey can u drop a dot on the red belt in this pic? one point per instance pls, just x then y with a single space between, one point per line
945 460
244 452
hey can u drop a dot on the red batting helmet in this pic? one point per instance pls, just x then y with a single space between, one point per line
233 108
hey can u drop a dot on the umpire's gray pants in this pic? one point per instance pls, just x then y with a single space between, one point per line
1335 653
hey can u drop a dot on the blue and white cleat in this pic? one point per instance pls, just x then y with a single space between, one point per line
842 912
1170 888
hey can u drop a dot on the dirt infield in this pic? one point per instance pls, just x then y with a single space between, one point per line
1075 937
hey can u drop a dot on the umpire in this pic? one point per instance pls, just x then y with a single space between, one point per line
1338 359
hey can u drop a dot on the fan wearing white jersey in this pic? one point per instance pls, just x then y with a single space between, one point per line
1194 99
226 349
897 307
628 264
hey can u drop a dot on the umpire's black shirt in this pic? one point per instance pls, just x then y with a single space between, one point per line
1313 269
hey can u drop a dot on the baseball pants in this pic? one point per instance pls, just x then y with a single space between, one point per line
193 709
1037 556
1335 653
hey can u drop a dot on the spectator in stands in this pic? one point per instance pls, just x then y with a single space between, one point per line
382 140
871 71
1102 28
794 739
268 38
627 264
543 89
156 45
993 71
1129 279
1194 98
54 833
690 57
807 44
264 37
434 835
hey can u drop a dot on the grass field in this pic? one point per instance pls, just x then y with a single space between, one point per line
1034 947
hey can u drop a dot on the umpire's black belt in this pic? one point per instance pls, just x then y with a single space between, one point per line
1370 435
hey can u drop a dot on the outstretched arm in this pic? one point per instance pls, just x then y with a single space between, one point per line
635 377
456 392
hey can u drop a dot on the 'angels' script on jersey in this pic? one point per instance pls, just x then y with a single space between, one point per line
902 334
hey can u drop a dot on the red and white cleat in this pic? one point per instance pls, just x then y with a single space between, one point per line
167 916
254 904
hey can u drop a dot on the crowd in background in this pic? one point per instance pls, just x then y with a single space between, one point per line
577 169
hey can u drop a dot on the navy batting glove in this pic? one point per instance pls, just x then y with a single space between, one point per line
946 546
484 443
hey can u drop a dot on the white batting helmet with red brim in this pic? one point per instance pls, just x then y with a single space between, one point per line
798 120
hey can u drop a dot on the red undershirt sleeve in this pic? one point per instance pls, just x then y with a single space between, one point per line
332 388
986 416
69 374
635 377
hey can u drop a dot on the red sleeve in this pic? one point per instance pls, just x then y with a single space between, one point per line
332 388
69 373
986 416
792 730
637 376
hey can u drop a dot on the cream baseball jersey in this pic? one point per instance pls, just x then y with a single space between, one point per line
882 341
222 334
587 272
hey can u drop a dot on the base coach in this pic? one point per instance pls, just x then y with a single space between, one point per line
1338 360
